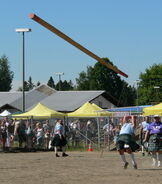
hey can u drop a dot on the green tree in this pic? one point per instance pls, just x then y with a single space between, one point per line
38 83
51 82
30 84
100 77
64 85
26 87
6 75
150 85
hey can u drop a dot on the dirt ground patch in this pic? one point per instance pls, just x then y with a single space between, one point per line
78 168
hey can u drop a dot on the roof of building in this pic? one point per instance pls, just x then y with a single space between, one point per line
69 100
57 100
32 97
9 97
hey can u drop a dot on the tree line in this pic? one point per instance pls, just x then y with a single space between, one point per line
98 77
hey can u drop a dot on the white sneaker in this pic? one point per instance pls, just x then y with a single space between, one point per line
154 163
159 164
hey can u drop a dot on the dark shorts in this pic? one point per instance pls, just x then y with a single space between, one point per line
142 138
126 139
155 142
57 141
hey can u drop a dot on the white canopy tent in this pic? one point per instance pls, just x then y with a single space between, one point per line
5 113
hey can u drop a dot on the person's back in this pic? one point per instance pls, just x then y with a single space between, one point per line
58 129
145 125
127 128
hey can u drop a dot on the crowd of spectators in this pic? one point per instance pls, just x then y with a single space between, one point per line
24 134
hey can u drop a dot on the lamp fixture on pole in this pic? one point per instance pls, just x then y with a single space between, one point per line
59 74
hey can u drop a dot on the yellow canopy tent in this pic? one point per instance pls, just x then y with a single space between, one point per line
153 110
40 111
89 110
101 111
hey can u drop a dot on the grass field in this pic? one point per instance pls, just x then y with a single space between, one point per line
79 168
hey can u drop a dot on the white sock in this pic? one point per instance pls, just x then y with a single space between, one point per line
55 150
123 158
132 158
157 156
154 159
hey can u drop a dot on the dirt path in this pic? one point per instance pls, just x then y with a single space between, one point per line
78 168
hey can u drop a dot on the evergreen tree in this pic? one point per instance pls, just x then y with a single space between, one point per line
38 83
66 86
51 82
30 84
6 75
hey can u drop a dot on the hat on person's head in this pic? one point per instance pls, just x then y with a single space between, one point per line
156 116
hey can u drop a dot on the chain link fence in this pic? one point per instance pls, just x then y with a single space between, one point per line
81 133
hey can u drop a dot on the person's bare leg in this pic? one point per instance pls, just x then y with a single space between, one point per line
158 157
122 155
153 159
63 152
132 158
56 153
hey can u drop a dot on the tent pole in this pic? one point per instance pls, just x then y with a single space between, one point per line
109 134
98 126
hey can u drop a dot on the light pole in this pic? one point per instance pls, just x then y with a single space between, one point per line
59 74
23 30
137 83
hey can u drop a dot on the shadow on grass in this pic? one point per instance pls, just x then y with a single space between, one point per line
150 169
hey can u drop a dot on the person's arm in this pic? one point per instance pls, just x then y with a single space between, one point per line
114 129
134 121
104 127
146 136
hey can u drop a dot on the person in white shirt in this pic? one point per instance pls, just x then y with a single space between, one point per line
47 133
74 132
59 139
39 134
126 142
142 131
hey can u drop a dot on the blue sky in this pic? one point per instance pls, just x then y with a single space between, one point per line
128 32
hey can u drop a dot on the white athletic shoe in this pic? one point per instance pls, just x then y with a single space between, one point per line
154 163
159 164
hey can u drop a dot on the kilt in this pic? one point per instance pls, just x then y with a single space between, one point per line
57 141
155 142
22 137
126 139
